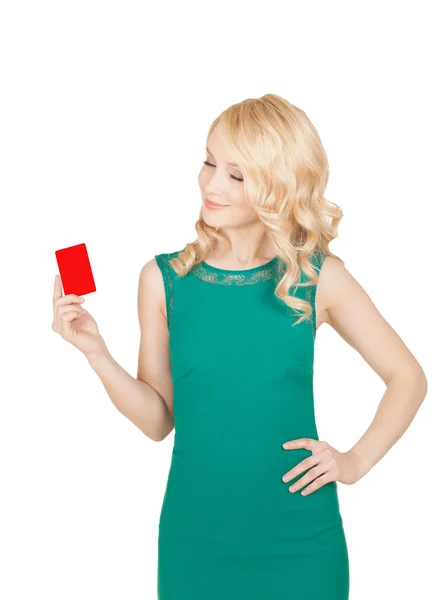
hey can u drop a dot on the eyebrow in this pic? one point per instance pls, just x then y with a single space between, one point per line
232 164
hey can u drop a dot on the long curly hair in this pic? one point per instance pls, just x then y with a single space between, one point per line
285 170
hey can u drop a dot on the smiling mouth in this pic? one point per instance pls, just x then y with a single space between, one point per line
207 200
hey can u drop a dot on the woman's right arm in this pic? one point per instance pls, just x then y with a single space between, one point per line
147 401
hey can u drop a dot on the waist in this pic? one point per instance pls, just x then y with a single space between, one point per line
235 497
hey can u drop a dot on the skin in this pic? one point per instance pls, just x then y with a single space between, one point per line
341 302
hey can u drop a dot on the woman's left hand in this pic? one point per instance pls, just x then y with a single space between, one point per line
325 464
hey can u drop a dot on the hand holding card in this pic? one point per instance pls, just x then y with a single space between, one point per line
75 324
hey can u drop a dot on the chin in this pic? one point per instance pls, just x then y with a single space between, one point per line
212 223
210 220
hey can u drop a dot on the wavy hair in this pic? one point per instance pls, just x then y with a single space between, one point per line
285 170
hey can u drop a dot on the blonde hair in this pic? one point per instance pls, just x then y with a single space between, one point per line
285 170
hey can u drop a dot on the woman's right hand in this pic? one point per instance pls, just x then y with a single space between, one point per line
74 323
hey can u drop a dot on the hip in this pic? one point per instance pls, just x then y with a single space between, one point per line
254 504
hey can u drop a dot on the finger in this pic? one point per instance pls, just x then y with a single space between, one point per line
307 463
319 469
69 299
57 287
307 443
318 483
67 318
65 321
63 309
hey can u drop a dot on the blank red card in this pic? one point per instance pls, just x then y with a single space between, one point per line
75 270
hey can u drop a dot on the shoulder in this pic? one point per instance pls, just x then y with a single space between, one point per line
335 282
319 257
158 268
163 259
163 263
150 280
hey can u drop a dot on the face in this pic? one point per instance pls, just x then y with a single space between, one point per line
222 183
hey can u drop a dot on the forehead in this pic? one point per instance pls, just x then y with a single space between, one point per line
219 147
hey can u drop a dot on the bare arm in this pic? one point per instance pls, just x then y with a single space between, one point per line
344 305
146 400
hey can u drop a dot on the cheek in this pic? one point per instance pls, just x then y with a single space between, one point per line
202 179
238 199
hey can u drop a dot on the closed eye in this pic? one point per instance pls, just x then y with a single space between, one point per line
232 176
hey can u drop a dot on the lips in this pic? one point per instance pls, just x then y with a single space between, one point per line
215 204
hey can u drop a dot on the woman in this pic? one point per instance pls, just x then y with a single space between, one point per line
226 358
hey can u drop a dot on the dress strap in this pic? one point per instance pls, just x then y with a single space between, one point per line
316 258
168 276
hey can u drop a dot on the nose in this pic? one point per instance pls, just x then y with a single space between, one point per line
214 185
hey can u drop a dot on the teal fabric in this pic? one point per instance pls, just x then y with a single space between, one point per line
243 385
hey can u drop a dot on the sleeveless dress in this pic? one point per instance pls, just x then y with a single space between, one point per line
242 375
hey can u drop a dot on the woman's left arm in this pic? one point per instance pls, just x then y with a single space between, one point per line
343 303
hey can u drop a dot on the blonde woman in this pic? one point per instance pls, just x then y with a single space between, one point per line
228 325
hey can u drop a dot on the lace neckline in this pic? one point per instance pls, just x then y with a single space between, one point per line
237 276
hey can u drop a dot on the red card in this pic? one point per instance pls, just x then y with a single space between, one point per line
75 270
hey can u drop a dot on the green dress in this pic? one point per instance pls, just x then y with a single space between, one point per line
242 375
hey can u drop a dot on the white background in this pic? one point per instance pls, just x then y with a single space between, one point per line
104 116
